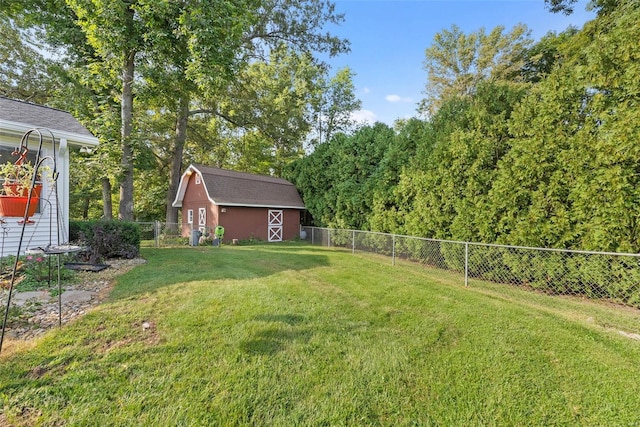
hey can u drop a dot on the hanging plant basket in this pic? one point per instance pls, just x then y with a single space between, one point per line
11 189
15 205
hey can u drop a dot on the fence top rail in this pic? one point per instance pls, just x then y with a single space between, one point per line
495 245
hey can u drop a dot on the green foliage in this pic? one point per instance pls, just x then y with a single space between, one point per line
24 72
457 63
536 146
334 104
229 61
387 203
546 54
40 272
106 239
336 180
450 186
570 178
567 6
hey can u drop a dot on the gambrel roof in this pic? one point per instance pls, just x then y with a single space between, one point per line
20 116
232 188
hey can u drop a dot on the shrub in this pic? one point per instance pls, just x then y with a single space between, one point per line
106 239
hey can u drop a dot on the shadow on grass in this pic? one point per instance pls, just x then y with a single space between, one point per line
275 338
289 319
171 266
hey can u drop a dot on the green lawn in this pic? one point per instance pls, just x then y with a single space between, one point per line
289 334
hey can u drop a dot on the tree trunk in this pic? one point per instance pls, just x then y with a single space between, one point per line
175 168
107 205
85 207
126 164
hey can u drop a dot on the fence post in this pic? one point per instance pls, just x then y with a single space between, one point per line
353 242
156 233
393 249
466 264
328 237
313 242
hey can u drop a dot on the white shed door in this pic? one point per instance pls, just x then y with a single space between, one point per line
275 225
202 219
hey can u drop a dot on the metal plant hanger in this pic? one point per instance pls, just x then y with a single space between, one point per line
22 151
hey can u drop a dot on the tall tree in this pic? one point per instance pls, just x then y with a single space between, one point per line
338 179
192 47
334 107
235 34
115 34
457 62
24 71
567 6
571 177
402 149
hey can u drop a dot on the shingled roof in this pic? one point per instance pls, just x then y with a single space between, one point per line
29 115
232 188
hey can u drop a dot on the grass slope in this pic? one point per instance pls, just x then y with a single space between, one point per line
297 335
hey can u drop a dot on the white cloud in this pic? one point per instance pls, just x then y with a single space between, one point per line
398 98
364 116
366 90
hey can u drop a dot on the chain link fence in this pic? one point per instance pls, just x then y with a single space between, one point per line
161 234
601 275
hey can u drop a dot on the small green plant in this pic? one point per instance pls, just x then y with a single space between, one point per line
18 177
37 267
39 272
174 240
252 240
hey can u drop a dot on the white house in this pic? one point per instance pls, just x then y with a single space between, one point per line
51 221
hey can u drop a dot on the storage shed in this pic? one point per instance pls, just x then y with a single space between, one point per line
246 205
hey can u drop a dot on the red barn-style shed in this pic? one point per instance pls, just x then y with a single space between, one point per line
246 205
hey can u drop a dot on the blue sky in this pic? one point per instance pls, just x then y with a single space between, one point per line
388 39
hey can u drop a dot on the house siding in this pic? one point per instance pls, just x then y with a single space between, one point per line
51 224
44 230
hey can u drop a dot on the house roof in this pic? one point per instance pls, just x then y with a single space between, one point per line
232 188
21 116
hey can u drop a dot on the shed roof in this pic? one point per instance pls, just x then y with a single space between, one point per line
20 116
231 188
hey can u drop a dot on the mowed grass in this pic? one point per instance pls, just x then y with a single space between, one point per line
289 334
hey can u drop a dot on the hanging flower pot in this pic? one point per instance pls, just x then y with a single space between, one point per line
15 205
18 190
14 196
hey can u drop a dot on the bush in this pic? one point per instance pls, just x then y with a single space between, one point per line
106 239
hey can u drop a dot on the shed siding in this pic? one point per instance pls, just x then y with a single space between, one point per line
239 220
291 229
195 198
245 223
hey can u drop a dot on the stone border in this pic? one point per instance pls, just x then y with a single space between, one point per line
39 309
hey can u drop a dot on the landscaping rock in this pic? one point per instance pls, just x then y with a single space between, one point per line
39 309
